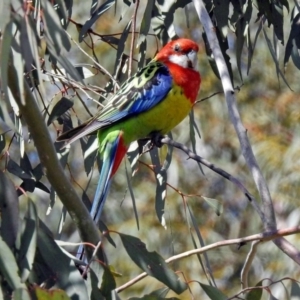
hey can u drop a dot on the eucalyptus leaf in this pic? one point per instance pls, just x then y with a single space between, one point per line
67 277
2 142
21 294
217 205
255 294
28 241
8 266
161 186
61 107
129 185
293 43
95 15
146 21
9 207
15 169
152 263
4 13
221 12
212 292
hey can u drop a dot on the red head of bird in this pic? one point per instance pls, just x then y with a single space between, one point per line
180 56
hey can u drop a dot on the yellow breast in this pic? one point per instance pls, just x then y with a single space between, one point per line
162 118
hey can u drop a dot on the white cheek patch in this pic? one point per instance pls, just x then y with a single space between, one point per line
181 60
186 61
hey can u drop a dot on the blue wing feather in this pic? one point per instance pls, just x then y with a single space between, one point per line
131 100
137 95
150 97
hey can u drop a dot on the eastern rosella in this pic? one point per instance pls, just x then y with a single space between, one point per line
154 100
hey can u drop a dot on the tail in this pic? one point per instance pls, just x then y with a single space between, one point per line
112 151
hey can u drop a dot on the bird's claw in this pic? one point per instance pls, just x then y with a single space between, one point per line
156 139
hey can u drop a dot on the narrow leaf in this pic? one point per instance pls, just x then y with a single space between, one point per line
277 16
120 59
19 72
212 292
152 263
132 197
7 38
105 231
193 128
295 290
217 205
255 294
9 207
28 241
62 106
163 18
54 29
146 21
63 12
25 164
221 12
42 187
273 54
142 54
4 15
95 15
67 276
20 294
101 281
15 169
286 4
207 269
293 43
5 54
123 7
62 153
161 186
2 142
8 266
89 150
108 283
133 155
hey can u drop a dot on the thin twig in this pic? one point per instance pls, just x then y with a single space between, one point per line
94 61
265 287
237 88
83 275
248 263
133 26
234 180
264 236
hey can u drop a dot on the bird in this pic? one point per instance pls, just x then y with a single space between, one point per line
153 101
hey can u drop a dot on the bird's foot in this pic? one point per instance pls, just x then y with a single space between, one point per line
156 138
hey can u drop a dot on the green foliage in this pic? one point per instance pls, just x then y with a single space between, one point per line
40 56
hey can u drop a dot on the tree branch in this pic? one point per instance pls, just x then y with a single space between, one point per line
248 263
269 220
31 113
269 216
264 236
166 140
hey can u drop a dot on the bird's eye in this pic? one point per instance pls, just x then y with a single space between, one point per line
177 48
